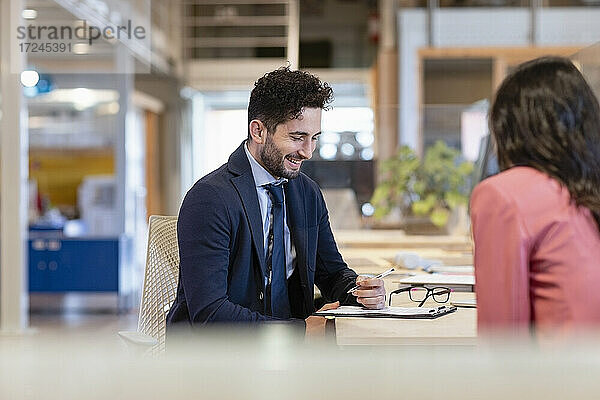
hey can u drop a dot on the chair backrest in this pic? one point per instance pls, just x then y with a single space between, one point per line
160 278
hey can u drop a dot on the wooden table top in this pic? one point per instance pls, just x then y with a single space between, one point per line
372 252
458 328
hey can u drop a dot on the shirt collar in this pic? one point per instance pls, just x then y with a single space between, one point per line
262 177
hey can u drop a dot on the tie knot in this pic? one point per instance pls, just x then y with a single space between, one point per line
276 192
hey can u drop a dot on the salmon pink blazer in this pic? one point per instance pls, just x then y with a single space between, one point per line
537 256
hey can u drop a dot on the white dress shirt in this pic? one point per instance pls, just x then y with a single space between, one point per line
261 178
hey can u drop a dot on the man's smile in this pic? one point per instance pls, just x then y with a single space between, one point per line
295 162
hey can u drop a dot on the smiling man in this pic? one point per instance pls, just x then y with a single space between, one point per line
254 235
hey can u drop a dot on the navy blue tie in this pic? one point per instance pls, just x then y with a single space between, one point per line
280 304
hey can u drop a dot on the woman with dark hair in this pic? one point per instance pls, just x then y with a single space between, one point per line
536 225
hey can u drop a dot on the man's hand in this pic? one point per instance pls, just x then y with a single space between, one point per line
371 293
315 326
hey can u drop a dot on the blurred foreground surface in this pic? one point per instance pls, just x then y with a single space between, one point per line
275 362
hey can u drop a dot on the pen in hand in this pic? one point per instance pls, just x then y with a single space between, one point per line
381 275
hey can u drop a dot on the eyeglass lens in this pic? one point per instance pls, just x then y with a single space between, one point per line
420 294
439 294
417 293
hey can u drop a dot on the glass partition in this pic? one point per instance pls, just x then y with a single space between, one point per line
588 61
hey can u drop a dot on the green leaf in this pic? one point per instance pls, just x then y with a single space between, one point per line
419 187
381 194
465 168
439 217
454 199
381 212
421 207
431 199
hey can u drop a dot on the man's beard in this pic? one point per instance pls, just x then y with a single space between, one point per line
273 160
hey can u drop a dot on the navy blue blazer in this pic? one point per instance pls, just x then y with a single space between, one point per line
222 269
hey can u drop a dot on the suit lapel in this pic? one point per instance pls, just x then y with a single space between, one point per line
244 183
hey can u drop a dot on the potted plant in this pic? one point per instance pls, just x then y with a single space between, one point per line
435 187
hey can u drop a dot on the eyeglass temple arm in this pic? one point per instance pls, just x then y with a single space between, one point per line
430 293
404 289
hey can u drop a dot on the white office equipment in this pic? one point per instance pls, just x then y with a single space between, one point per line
96 198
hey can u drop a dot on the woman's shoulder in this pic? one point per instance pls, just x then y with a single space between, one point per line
516 176
522 184
536 198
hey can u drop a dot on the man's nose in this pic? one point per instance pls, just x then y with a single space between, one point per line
308 146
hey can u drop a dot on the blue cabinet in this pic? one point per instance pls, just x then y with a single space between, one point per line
73 265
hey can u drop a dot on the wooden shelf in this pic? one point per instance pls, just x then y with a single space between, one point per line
265 27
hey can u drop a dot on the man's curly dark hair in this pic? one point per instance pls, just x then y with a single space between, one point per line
281 95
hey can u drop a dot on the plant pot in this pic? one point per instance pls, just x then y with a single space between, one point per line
415 225
394 220
458 224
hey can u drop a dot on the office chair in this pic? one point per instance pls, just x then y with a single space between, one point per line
160 286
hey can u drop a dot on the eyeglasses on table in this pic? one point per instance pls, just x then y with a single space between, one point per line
420 294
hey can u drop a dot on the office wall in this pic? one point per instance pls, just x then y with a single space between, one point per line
59 172
480 27
171 139
459 82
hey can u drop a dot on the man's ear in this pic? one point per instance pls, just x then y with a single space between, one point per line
258 131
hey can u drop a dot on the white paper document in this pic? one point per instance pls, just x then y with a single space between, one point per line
451 269
439 279
471 303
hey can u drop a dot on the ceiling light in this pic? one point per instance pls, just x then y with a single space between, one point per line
328 151
348 149
367 209
29 14
29 78
365 139
187 92
330 137
367 154
81 48
83 98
